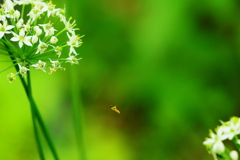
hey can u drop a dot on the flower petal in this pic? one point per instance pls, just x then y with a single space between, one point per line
28 43
9 27
20 44
1 34
14 39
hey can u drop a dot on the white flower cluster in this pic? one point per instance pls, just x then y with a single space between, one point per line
31 39
229 130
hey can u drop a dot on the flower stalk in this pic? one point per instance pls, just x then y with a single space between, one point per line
77 111
36 116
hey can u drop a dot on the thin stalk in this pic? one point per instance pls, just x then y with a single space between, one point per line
8 61
45 132
77 111
60 32
4 48
28 92
5 54
6 68
34 118
22 13
7 43
36 111
235 139
42 125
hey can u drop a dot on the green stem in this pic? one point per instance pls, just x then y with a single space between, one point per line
6 68
226 154
235 139
14 24
22 13
12 48
28 92
36 112
34 117
45 133
77 111
42 125
60 32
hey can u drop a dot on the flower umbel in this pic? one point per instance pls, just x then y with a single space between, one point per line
38 44
228 130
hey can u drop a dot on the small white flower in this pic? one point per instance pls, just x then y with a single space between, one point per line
74 41
61 14
70 26
214 143
23 70
53 40
51 9
40 65
8 5
34 39
26 27
4 28
2 17
16 14
42 47
37 30
58 50
233 155
231 128
20 23
55 65
218 147
73 60
48 29
11 77
35 12
21 38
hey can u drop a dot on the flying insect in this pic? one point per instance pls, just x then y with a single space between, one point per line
114 108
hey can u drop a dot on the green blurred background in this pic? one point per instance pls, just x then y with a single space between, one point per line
171 67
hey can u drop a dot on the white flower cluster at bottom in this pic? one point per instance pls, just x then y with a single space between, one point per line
227 131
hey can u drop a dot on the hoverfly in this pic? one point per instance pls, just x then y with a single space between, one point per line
114 108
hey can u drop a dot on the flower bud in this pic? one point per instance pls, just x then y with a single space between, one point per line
34 39
11 77
42 47
16 14
27 27
19 23
218 147
37 30
53 40
8 5
233 155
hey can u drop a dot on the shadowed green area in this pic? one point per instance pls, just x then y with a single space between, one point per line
171 67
